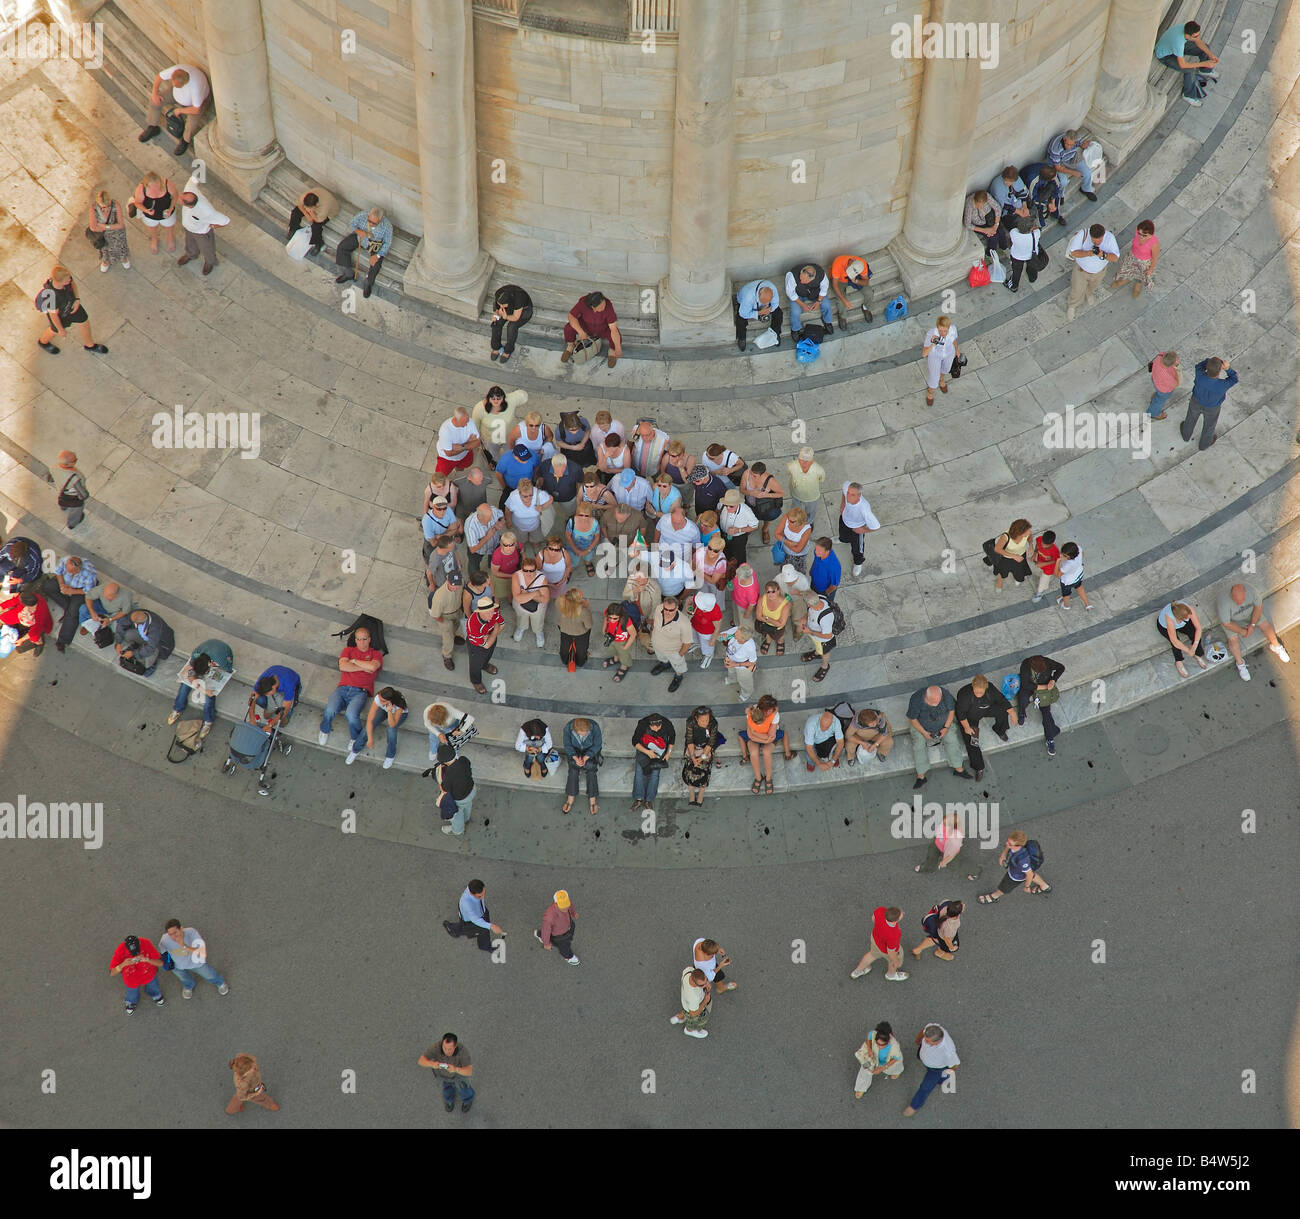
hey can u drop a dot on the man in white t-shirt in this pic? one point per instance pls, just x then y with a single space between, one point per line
1090 251
458 439
938 1055
530 512
1025 234
198 219
190 955
741 660
180 89
856 521
737 521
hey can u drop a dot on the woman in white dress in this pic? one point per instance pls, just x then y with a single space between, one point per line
940 350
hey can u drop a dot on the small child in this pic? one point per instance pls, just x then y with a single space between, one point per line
1046 554
704 621
1072 576
72 494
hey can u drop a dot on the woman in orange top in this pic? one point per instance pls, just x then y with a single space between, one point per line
761 732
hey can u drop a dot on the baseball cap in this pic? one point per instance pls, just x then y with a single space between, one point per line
855 268
699 474
561 899
439 501
454 579
132 944
522 451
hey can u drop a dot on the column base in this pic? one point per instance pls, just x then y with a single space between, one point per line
683 326
1119 138
926 273
461 294
244 176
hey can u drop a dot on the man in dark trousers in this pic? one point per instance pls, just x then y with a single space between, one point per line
474 920
1214 377
978 700
450 1062
557 927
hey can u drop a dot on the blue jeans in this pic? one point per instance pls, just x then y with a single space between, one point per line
1157 404
1085 173
933 1078
83 613
796 314
152 989
205 971
359 737
349 700
209 703
463 810
1191 76
458 1086
645 783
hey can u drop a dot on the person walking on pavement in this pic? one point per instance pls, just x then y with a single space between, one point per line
946 844
1214 377
886 941
938 1056
450 1061
856 521
880 1054
697 995
455 778
198 219
711 958
474 920
940 925
558 926
1089 250
1022 859
138 961
249 1088
190 956
73 493
1166 377
59 301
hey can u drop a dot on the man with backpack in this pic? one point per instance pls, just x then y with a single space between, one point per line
1022 857
824 622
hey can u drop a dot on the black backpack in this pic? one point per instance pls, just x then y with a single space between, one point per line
1035 854
373 625
845 713
838 623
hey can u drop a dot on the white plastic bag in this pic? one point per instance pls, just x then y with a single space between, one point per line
997 272
296 246
767 339
1093 156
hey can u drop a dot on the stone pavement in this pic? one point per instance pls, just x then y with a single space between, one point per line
259 551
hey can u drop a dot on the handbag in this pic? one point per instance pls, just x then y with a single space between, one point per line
957 365
98 240
1047 695
587 349
297 245
778 552
131 665
1039 259
175 125
131 209
67 500
103 636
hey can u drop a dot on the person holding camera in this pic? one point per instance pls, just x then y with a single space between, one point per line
1090 251
512 308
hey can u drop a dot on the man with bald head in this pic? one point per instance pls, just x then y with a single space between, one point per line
1241 610
930 713
757 301
105 604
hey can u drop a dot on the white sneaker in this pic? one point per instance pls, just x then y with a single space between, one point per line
898 977
1036 598
126 264
857 569
541 639
446 829
388 763
322 738
676 1020
697 1032
352 757
1243 672
860 973
223 989
1192 101
706 662
103 266
187 994
519 634
574 961
1280 652
1069 309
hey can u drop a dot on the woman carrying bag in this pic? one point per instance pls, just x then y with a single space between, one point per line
880 1054
702 741
107 231
1006 553
764 495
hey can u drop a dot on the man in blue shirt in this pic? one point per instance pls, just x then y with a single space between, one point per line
73 578
517 463
20 562
1066 153
757 300
825 573
474 920
370 240
1214 377
1171 50
709 489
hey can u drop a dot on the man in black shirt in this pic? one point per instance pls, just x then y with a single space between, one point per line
456 778
560 478
59 302
976 701
709 489
512 308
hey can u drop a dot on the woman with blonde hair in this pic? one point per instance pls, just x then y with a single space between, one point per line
556 566
939 351
794 535
771 615
1179 621
536 436
757 739
503 564
530 595
156 200
108 226
447 725
575 628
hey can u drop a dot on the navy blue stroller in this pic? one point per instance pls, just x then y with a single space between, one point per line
253 741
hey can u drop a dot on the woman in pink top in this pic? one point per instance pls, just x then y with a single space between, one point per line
745 591
1166 378
1139 264
946 846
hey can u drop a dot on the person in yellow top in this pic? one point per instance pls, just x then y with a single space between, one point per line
850 272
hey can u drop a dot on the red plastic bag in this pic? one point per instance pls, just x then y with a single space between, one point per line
979 275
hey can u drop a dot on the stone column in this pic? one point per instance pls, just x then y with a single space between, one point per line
1124 107
73 12
448 268
935 248
695 298
239 143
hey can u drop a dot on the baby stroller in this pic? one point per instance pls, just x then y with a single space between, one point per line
251 744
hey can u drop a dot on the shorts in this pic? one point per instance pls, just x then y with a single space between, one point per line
1006 884
166 223
1067 589
780 736
80 316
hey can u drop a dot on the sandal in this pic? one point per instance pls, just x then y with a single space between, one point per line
987 899
1034 892
768 789
943 387
780 647
591 569
622 673
929 397
821 673
609 662
767 646
568 804
758 783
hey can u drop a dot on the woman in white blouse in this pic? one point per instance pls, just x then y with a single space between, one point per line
939 350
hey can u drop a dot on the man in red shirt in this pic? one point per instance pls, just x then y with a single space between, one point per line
138 961
357 666
29 613
481 630
705 618
886 941
593 317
